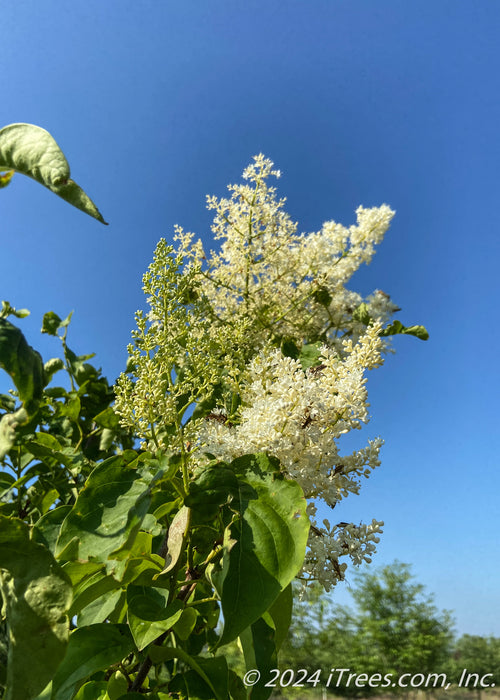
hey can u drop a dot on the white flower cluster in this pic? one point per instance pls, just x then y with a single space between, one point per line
290 284
328 544
229 331
297 416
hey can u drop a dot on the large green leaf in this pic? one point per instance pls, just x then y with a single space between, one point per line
264 545
23 364
281 615
99 610
261 641
90 649
259 649
37 595
93 586
108 512
32 151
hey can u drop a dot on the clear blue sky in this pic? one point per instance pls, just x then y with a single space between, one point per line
156 104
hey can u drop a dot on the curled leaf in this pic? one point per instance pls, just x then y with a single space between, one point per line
397 328
32 151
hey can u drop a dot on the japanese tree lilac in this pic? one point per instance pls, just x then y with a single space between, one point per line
228 335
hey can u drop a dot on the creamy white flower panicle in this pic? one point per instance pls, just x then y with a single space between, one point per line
297 416
330 543
290 284
265 334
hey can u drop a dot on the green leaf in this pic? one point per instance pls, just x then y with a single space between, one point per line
71 408
23 364
141 571
149 615
310 354
258 464
80 571
6 482
237 690
259 649
213 672
108 512
50 323
264 547
37 595
190 685
211 489
117 685
322 296
47 529
281 615
186 623
92 587
32 151
7 402
51 367
289 348
100 609
397 328
46 693
94 690
90 649
107 419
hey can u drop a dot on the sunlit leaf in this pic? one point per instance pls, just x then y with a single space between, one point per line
32 151
264 546
108 512
90 649
37 595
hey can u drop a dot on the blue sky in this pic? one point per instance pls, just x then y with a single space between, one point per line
157 104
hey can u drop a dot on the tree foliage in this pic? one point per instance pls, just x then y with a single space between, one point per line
147 525
477 662
393 630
